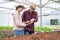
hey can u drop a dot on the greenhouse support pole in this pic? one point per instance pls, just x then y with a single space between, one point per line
41 15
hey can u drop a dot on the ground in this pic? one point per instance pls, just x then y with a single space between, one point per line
38 36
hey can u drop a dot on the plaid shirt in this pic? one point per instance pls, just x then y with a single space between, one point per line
27 16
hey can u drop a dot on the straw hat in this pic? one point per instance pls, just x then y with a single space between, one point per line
33 5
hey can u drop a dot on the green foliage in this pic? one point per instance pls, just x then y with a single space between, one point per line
37 29
6 27
44 29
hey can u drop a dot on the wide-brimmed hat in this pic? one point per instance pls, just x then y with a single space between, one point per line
33 5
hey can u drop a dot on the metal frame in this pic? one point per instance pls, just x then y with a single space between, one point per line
39 6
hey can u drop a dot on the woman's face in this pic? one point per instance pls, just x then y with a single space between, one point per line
20 9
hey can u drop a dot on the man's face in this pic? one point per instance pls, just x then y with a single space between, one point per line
20 9
32 9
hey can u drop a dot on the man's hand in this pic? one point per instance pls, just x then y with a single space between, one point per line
27 22
32 20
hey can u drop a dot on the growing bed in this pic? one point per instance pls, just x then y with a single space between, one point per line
47 33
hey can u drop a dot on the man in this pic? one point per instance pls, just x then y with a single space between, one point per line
18 24
30 16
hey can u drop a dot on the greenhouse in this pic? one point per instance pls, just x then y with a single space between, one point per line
48 19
